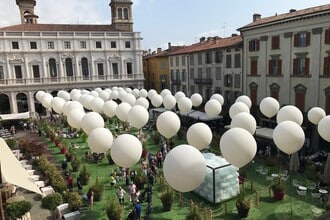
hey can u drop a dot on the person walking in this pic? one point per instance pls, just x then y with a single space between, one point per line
79 184
90 197
121 195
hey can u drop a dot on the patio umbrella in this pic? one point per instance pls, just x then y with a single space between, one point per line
294 162
326 172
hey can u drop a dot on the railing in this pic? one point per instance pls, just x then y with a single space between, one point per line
203 81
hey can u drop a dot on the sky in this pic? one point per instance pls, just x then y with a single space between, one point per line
180 22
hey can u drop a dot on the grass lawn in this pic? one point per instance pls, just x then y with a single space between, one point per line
292 207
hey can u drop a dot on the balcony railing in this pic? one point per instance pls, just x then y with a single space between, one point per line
203 81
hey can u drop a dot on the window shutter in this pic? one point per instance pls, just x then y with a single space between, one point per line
295 67
306 66
273 43
257 45
308 38
326 66
327 36
295 40
279 62
253 67
270 67
250 45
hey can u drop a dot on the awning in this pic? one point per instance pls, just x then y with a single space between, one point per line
15 116
12 171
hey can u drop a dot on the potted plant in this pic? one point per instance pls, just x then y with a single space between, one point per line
193 214
75 164
15 210
278 189
243 205
167 199
51 201
110 160
74 201
98 188
84 175
113 209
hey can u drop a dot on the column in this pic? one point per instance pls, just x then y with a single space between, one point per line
27 71
9 75
13 102
315 67
287 59
262 64
77 70
44 72
31 104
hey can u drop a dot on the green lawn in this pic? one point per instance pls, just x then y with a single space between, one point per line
292 207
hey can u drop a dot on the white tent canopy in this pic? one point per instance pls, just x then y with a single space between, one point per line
12 171
13 116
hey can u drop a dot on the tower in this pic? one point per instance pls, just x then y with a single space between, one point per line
26 9
121 14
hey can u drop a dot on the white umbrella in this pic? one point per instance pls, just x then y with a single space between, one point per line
326 172
294 162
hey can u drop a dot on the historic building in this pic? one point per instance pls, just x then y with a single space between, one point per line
52 57
287 56
213 65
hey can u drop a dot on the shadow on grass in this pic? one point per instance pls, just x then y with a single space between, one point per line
284 216
91 214
267 199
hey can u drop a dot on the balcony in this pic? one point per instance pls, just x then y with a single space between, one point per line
203 81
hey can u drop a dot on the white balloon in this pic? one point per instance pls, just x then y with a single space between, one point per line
238 146
74 117
238 107
136 92
199 135
130 99
97 105
100 140
64 95
126 150
143 102
269 106
184 104
151 93
156 100
128 90
168 124
289 113
75 96
94 93
104 95
122 111
324 128
46 100
98 89
73 105
315 115
138 116
143 93
109 108
212 108
178 95
289 137
184 168
196 99
39 95
57 104
244 120
169 102
114 95
218 97
245 99
90 121
86 100
66 107
165 92
122 94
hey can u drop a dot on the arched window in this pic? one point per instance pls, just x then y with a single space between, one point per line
300 93
52 67
120 13
4 104
22 104
125 13
274 91
68 67
84 67
254 93
327 100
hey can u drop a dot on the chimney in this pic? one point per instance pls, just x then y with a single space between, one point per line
149 51
292 10
169 45
159 50
256 17
202 39
209 38
233 35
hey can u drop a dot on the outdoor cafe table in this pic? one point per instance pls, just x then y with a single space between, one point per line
47 190
302 188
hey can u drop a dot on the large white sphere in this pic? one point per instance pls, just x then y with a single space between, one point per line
178 95
169 102
324 128
75 104
135 92
97 105
289 113
39 95
168 124
90 121
74 117
109 108
128 90
199 135
315 115
64 95
143 93
184 168
151 93
100 140
238 107
143 102
122 111
46 100
57 104
122 94
289 137
238 146
212 108
196 99
66 107
104 95
114 95
98 89
156 100
86 100
245 99
269 106
75 96
138 116
165 92
184 104
130 99
94 93
244 120
126 150
73 91
218 97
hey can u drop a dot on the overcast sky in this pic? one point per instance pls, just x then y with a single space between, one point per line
161 21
